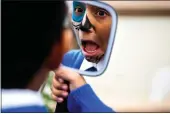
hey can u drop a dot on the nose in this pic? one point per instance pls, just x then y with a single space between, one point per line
86 25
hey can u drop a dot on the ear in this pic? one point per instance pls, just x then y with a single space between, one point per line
59 49
55 57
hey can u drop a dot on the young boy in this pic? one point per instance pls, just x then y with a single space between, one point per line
31 47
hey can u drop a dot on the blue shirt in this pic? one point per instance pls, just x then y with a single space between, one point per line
82 99
75 59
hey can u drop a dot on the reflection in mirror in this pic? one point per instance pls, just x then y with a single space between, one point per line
91 26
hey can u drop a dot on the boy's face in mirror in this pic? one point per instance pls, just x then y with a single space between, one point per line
94 38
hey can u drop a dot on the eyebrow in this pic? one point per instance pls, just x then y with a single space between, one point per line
98 8
103 9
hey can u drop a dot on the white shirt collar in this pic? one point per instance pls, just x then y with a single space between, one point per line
85 65
20 97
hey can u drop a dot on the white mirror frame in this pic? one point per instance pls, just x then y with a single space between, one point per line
114 15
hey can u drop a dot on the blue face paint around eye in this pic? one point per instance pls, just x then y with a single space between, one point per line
75 17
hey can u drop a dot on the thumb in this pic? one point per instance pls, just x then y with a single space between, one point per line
66 74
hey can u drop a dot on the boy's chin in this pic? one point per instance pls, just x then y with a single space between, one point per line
95 59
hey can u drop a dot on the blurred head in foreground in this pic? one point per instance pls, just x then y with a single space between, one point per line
31 42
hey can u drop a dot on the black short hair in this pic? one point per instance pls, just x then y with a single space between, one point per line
29 30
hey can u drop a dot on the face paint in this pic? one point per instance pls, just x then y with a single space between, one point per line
78 14
77 17
94 33
78 11
95 59
91 25
86 25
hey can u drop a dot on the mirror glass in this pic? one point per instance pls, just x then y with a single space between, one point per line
91 26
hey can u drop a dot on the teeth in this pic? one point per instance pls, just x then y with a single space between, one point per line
90 51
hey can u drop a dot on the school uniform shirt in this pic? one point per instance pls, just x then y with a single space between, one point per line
84 100
22 100
75 59
86 65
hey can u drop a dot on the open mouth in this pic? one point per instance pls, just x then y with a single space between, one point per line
90 48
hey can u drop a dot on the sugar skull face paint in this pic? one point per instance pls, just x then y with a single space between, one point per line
78 14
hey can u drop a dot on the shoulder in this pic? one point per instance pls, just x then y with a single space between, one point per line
74 53
22 100
73 57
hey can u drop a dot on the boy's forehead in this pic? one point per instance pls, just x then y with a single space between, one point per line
70 5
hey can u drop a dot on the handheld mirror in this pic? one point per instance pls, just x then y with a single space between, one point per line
94 25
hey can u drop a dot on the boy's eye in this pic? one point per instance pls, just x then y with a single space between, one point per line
78 10
101 13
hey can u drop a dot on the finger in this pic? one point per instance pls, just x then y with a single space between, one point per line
64 73
53 97
68 75
64 94
55 83
60 100
59 86
60 80
59 93
56 92
64 87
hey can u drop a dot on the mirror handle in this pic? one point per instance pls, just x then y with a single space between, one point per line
62 107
